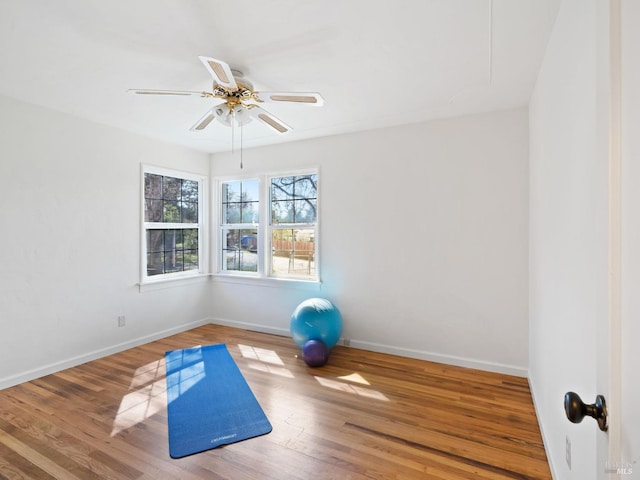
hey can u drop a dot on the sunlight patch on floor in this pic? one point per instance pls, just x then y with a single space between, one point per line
147 398
148 373
262 354
148 394
283 372
353 389
265 360
355 378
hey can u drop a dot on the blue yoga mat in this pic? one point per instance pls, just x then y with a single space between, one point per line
209 403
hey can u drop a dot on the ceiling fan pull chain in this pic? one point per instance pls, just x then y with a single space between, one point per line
233 130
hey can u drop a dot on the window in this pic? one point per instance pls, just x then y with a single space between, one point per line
172 244
268 226
293 216
239 226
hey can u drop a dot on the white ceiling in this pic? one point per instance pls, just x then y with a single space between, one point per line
377 63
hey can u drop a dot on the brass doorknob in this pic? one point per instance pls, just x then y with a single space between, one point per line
576 409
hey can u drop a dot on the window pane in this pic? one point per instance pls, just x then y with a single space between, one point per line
189 191
231 192
155 240
231 213
169 243
240 250
152 210
240 202
190 239
189 212
155 263
191 260
153 198
282 188
282 211
294 199
250 191
170 199
171 212
249 212
172 250
305 211
240 212
171 188
306 186
293 252
172 261
152 186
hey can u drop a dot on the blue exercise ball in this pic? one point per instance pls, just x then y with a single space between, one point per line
316 319
315 353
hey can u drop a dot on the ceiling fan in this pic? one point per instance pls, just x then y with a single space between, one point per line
240 102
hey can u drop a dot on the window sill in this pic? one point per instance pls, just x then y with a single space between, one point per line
172 282
271 282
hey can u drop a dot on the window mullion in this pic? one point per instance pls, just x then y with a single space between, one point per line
169 226
263 212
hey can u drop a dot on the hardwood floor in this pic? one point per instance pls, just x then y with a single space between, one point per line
363 415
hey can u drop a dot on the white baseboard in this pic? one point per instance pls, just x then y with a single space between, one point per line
29 375
254 327
393 350
441 358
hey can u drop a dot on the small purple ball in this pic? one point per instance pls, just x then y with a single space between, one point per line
315 353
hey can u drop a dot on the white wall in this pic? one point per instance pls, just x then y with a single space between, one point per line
568 234
423 247
423 243
69 242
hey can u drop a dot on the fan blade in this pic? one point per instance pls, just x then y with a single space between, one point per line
268 119
308 98
204 122
221 72
184 93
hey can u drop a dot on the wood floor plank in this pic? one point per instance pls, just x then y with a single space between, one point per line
364 415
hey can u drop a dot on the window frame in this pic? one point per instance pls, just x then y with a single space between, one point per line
271 226
264 228
224 227
200 226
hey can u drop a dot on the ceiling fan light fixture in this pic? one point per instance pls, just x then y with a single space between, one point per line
228 116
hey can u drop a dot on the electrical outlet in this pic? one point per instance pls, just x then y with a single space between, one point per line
121 321
567 444
346 342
